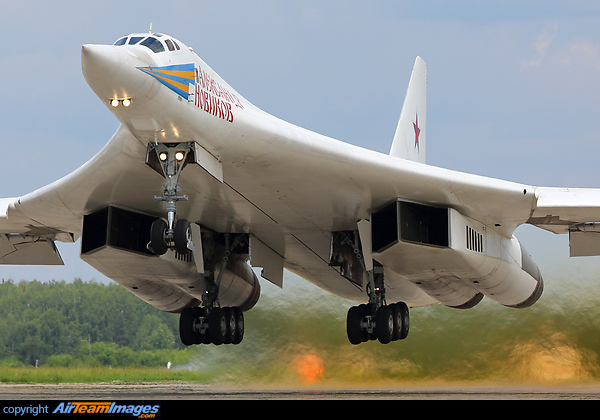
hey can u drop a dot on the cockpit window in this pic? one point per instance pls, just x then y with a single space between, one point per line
135 39
170 45
154 44
150 42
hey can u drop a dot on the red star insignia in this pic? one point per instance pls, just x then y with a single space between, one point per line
417 131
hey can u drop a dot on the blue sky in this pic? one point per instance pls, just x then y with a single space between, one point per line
513 88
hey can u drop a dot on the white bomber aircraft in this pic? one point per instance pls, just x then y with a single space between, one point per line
198 184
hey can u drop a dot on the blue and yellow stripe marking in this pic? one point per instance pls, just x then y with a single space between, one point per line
177 77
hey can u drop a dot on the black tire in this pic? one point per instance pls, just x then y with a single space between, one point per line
353 325
186 326
366 335
397 321
404 315
199 337
384 324
217 326
230 325
157 244
182 232
239 326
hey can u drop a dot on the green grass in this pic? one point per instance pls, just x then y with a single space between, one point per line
555 342
55 375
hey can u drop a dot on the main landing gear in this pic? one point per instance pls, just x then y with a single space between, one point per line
377 320
216 326
387 323
209 323
374 320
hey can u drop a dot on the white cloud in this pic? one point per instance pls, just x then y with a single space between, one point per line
552 51
543 43
582 53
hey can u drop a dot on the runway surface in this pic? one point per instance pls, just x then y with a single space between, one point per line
189 391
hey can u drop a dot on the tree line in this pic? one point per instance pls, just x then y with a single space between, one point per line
82 323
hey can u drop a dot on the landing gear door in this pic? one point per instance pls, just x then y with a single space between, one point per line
197 252
344 253
271 262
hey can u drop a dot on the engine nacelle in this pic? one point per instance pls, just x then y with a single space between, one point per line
530 267
239 285
453 258
114 242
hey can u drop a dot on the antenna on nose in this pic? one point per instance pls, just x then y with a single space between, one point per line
150 31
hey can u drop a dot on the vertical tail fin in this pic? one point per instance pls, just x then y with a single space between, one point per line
409 141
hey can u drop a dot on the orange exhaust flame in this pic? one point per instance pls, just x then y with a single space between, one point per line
309 368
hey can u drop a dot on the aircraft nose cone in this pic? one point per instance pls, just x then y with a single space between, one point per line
99 61
112 72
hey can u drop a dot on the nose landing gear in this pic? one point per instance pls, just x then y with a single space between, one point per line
170 159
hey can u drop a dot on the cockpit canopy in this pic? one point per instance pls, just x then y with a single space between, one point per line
156 42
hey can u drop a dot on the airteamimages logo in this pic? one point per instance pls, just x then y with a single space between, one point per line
141 411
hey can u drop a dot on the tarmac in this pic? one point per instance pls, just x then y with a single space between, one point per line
194 391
